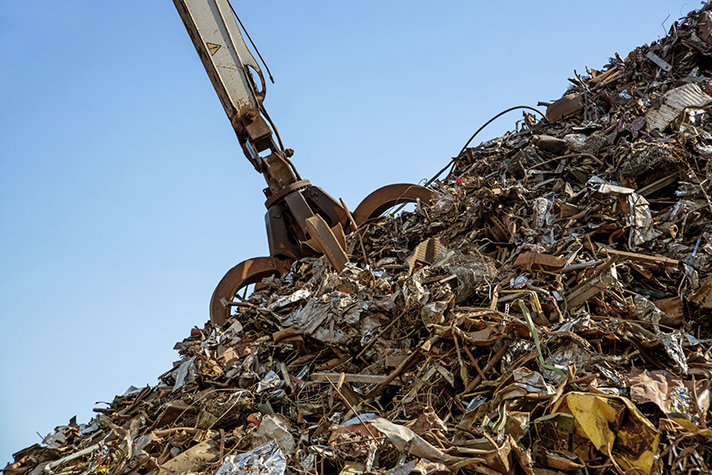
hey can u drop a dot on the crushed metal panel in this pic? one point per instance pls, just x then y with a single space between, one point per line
565 107
674 102
703 296
587 289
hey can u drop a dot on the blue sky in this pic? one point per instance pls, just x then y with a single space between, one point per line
124 195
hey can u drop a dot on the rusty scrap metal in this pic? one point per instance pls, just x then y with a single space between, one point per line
422 355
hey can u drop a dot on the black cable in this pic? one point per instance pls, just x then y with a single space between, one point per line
274 128
262 109
452 160
281 145
497 117
251 42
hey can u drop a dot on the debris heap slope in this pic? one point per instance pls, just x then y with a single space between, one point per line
549 312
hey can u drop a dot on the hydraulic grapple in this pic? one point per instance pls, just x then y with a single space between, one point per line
302 220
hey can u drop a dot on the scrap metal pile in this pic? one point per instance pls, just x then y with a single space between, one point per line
549 312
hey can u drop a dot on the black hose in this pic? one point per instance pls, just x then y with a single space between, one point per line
452 160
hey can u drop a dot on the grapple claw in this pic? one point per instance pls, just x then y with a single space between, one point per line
245 273
391 195
328 241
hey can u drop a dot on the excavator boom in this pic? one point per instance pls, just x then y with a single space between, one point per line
217 38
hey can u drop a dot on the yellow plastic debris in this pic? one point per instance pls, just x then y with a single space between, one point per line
613 425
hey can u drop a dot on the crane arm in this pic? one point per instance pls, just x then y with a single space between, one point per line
216 36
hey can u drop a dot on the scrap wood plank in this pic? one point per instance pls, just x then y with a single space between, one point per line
352 378
605 77
643 259
601 280
528 259
657 185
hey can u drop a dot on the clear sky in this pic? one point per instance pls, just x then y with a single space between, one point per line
125 197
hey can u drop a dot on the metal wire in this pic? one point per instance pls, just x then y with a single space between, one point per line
269 73
452 160
493 119
264 63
